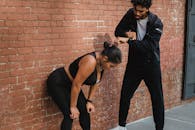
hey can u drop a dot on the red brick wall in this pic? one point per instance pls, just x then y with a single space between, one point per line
37 36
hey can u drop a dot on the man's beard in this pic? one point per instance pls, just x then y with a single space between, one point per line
140 17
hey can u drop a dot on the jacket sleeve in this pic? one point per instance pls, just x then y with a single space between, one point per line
124 25
151 39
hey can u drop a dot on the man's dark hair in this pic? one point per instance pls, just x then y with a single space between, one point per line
143 3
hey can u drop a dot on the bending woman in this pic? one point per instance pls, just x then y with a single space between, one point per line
64 84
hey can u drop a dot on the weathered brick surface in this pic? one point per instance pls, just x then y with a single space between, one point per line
37 36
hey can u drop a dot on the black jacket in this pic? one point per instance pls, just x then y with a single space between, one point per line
148 48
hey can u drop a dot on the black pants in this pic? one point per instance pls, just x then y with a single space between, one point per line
59 88
151 74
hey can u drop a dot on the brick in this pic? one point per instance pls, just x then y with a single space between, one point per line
44 4
10 37
30 17
17 72
3 59
24 50
15 30
25 37
2 23
15 44
44 30
13 23
15 17
44 23
10 51
44 17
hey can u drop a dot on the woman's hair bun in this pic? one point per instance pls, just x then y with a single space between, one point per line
107 44
112 52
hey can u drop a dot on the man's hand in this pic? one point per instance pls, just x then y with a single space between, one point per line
121 40
131 35
74 113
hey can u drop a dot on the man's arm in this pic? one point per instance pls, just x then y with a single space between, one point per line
151 39
125 25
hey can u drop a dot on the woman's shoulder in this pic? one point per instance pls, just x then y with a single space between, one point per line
89 59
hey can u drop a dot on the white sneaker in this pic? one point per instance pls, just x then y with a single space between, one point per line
119 128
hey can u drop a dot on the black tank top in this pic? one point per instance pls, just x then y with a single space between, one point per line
73 68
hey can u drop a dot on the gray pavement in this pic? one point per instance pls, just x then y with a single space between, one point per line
178 118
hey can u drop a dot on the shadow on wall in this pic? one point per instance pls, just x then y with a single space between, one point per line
108 95
99 41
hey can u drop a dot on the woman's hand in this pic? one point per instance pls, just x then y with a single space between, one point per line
90 107
74 113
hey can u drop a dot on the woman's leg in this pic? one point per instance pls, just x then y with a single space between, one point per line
66 123
60 93
84 117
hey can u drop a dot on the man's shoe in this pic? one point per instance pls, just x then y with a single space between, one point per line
119 128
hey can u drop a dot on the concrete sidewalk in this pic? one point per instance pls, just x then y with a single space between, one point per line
178 118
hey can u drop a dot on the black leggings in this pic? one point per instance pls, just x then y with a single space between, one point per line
152 78
59 88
